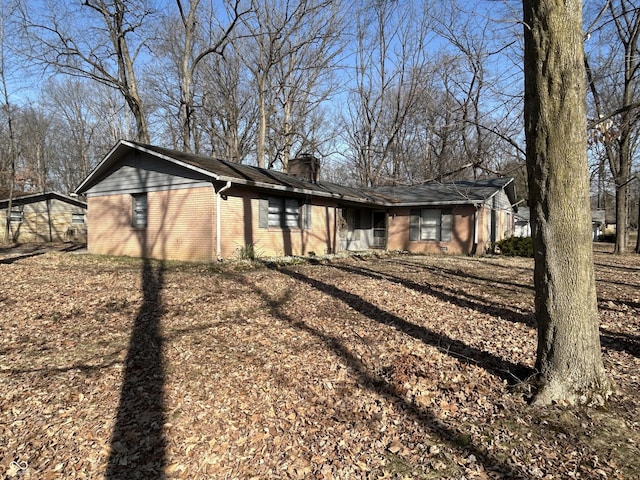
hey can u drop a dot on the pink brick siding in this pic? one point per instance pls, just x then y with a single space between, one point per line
181 225
240 216
461 237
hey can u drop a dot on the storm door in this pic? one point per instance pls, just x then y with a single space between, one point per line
379 230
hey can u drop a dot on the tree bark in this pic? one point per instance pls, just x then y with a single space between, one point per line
616 105
638 231
569 359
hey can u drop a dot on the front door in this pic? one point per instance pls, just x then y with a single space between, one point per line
379 230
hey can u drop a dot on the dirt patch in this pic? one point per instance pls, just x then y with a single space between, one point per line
393 367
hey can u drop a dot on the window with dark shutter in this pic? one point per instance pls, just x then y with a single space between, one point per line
139 210
430 227
414 225
446 225
430 224
291 213
280 212
16 216
276 208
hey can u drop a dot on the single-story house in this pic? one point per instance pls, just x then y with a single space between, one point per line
154 202
44 217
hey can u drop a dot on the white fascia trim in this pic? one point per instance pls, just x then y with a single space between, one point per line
284 188
173 160
106 161
98 167
474 203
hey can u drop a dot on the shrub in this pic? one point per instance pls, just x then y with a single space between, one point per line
248 252
516 247
607 237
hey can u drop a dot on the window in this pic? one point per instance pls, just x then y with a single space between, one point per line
16 216
281 212
284 212
431 224
77 218
139 209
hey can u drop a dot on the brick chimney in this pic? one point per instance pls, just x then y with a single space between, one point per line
305 167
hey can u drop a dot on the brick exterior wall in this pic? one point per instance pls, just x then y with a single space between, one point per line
181 225
240 214
462 234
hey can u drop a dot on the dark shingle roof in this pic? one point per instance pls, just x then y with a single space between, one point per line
263 177
27 198
457 192
431 193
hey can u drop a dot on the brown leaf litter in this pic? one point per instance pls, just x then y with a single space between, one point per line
372 366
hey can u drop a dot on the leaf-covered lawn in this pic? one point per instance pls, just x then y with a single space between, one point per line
392 366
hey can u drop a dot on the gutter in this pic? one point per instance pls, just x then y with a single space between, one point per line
218 227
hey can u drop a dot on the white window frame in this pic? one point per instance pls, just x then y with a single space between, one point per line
431 225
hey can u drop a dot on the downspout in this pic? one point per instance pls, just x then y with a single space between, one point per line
474 249
218 228
48 202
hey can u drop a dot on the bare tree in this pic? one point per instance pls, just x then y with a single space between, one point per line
292 42
304 80
98 39
33 127
614 81
569 359
390 52
79 136
431 144
196 44
10 152
229 111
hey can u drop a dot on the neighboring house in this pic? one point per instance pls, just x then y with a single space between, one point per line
522 222
154 202
598 223
45 217
602 223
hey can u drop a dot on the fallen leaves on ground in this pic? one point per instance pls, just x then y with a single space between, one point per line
378 366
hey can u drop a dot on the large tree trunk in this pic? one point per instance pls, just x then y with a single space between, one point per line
569 359
638 231
622 209
622 178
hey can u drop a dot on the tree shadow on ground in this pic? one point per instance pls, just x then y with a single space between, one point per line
455 297
617 267
512 373
465 275
14 253
622 342
610 340
138 444
377 383
13 259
